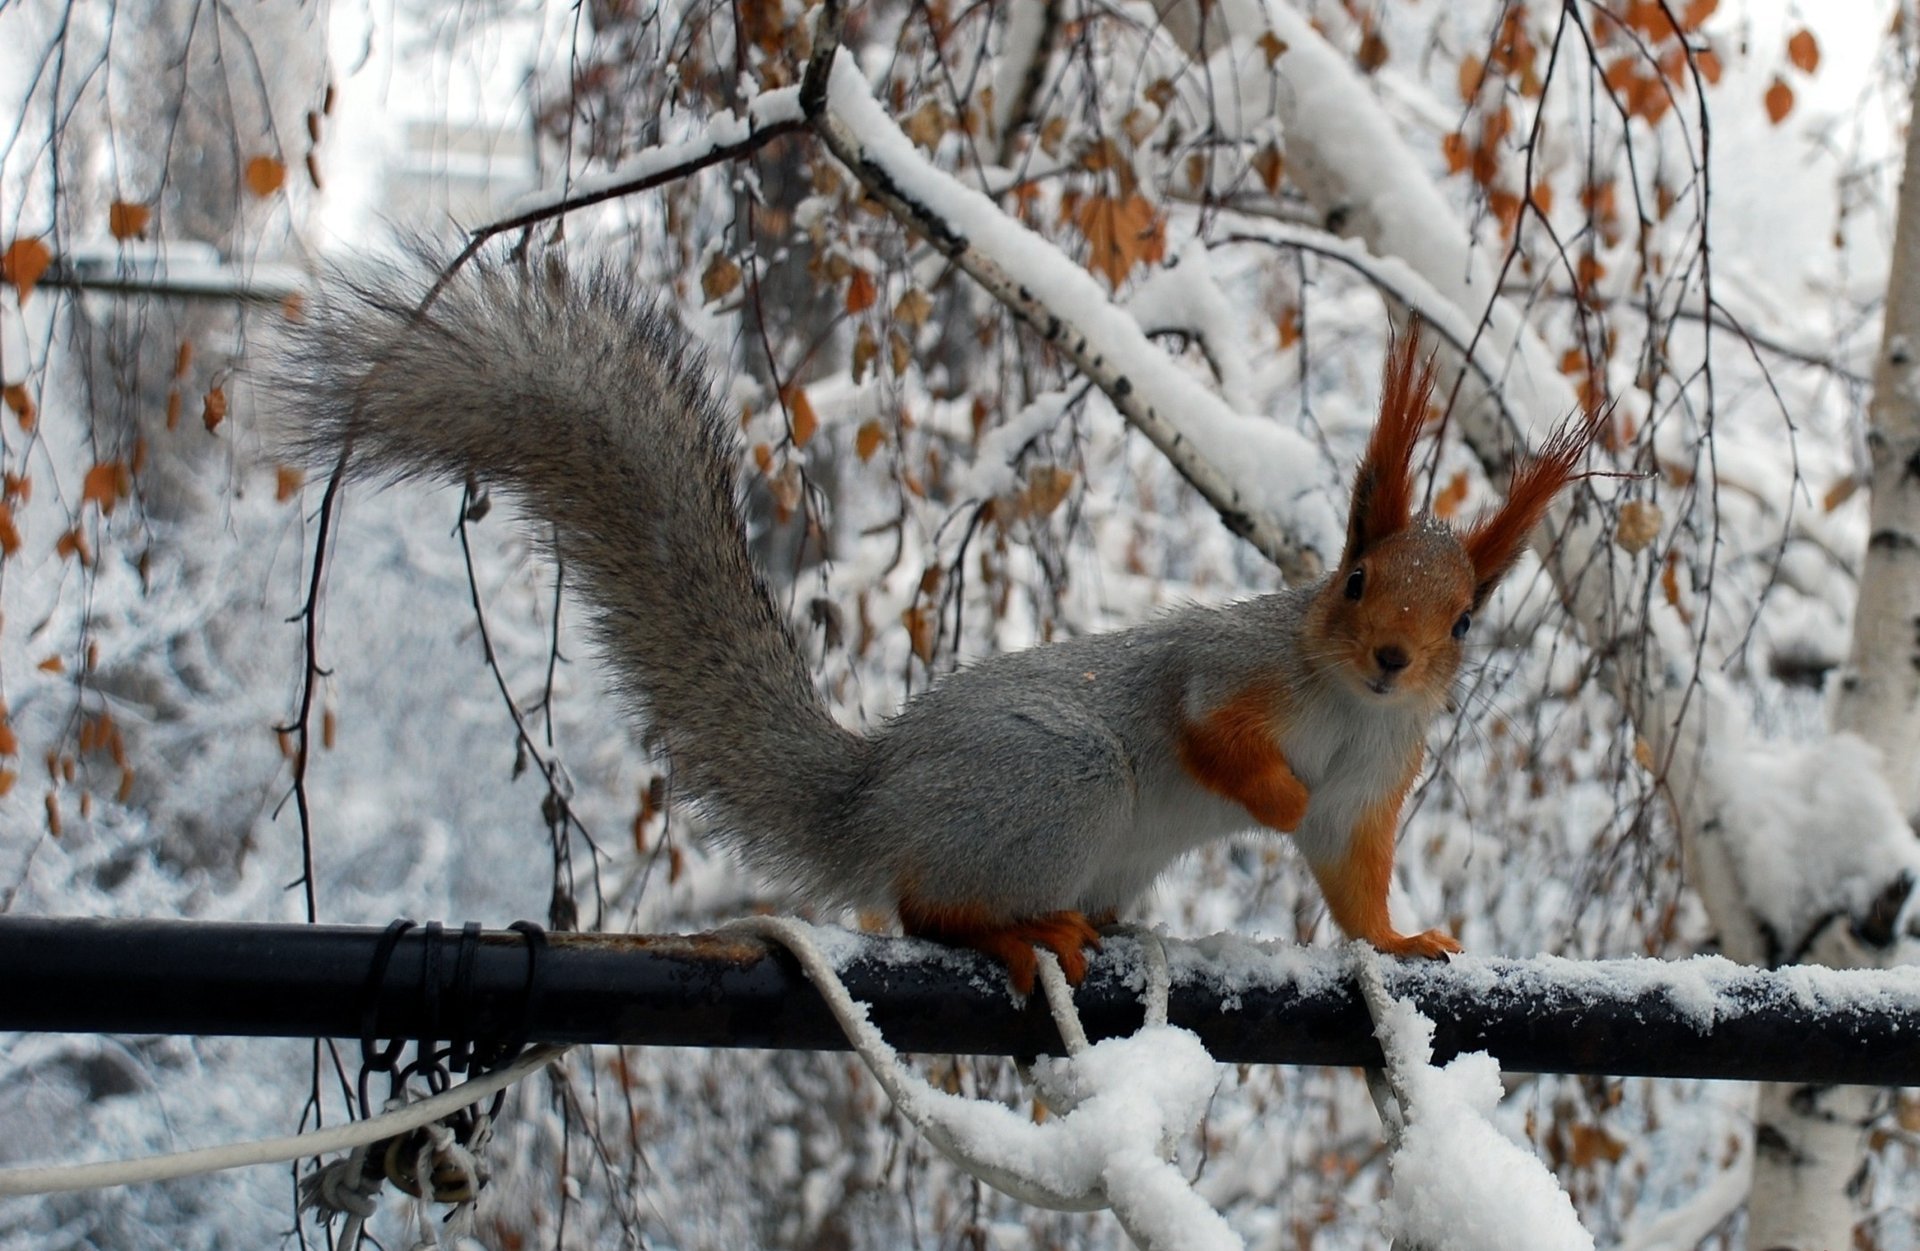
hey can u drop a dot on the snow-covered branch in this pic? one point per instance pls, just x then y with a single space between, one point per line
1277 509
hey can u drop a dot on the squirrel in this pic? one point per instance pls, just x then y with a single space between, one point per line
1021 801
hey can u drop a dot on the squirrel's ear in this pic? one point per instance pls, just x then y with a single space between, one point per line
1495 541
1383 488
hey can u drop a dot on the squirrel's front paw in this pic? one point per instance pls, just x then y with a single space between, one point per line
1428 945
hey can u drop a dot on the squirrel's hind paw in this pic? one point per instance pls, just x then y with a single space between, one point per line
1427 945
1068 935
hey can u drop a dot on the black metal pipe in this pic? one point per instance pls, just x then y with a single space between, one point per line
1248 1004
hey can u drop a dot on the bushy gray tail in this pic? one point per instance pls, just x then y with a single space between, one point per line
589 405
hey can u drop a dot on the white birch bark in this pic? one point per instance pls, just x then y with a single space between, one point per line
1809 1140
1879 696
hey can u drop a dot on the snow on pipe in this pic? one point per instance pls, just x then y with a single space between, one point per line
1248 1002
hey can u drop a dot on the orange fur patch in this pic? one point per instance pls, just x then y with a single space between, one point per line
1356 887
1232 753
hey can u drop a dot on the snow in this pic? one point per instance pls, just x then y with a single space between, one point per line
1783 797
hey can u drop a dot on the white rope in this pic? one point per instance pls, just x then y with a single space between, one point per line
58 1177
1153 1200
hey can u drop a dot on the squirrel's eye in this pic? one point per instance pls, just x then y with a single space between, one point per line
1356 583
1461 626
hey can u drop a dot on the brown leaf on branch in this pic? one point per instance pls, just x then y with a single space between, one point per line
128 221
1804 51
719 278
801 415
1779 101
1269 164
105 484
862 291
1120 234
1697 12
22 264
265 175
22 405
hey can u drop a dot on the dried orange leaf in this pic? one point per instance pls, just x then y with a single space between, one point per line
1455 148
862 291
52 664
1047 486
329 728
1840 492
1289 327
1269 164
1804 51
1274 46
1447 503
865 349
265 175
922 631
1472 74
7 778
214 409
128 221
868 439
800 415
1121 234
22 264
53 814
73 543
1696 12
719 278
105 483
763 458
287 480
1639 525
913 307
1779 101
183 359
9 741
173 409
1373 52
22 405
926 124
9 533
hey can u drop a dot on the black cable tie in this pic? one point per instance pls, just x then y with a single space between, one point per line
460 1028
373 1057
511 1044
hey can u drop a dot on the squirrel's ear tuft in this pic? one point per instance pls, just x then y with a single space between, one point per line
1383 488
1495 541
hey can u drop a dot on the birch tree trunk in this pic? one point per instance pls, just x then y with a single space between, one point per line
1809 1140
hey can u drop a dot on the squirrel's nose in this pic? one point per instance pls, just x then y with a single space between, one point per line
1391 659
